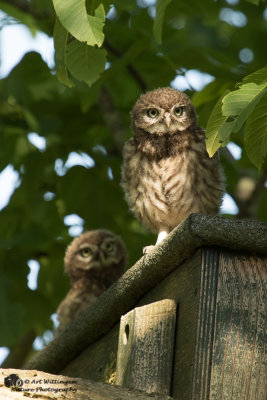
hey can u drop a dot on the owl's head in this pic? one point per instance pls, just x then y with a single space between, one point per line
95 250
163 110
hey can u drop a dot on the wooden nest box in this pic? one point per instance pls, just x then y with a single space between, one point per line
193 318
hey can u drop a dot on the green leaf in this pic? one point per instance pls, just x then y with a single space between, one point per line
84 62
256 2
91 5
73 16
60 43
216 120
225 132
242 102
159 19
255 138
31 80
97 24
258 77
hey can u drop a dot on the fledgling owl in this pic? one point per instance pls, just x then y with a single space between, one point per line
167 173
94 260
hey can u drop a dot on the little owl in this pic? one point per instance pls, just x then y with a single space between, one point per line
93 261
167 173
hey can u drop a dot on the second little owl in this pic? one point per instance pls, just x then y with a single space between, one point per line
167 173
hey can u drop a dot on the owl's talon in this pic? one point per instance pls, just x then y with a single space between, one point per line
147 249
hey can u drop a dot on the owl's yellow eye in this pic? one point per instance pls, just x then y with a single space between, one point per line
86 252
178 111
152 112
109 247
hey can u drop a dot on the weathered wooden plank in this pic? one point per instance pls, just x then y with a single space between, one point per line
219 331
239 369
98 361
205 323
145 350
43 386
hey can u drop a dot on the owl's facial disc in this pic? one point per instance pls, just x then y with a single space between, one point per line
86 255
170 119
108 252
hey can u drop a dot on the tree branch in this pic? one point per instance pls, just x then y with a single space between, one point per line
112 119
27 8
135 74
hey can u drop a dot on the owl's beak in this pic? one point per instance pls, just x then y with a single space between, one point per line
167 120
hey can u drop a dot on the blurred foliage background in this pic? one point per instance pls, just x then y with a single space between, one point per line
202 47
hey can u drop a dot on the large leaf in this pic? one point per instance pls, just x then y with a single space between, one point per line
60 43
31 79
159 19
258 77
215 121
242 102
256 133
84 62
86 28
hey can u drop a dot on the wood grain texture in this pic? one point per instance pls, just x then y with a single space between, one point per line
219 341
98 319
43 386
182 285
145 350
205 324
239 370
98 361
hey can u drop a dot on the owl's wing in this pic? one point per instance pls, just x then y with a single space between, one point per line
129 148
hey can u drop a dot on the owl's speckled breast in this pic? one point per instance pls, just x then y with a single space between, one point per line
162 193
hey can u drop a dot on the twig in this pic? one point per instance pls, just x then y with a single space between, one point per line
112 119
135 74
27 8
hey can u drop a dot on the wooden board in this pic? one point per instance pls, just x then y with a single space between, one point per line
145 351
98 363
219 350
239 364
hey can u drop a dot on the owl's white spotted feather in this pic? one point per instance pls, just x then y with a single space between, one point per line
167 173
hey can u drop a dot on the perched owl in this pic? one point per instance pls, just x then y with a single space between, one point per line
93 261
167 173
